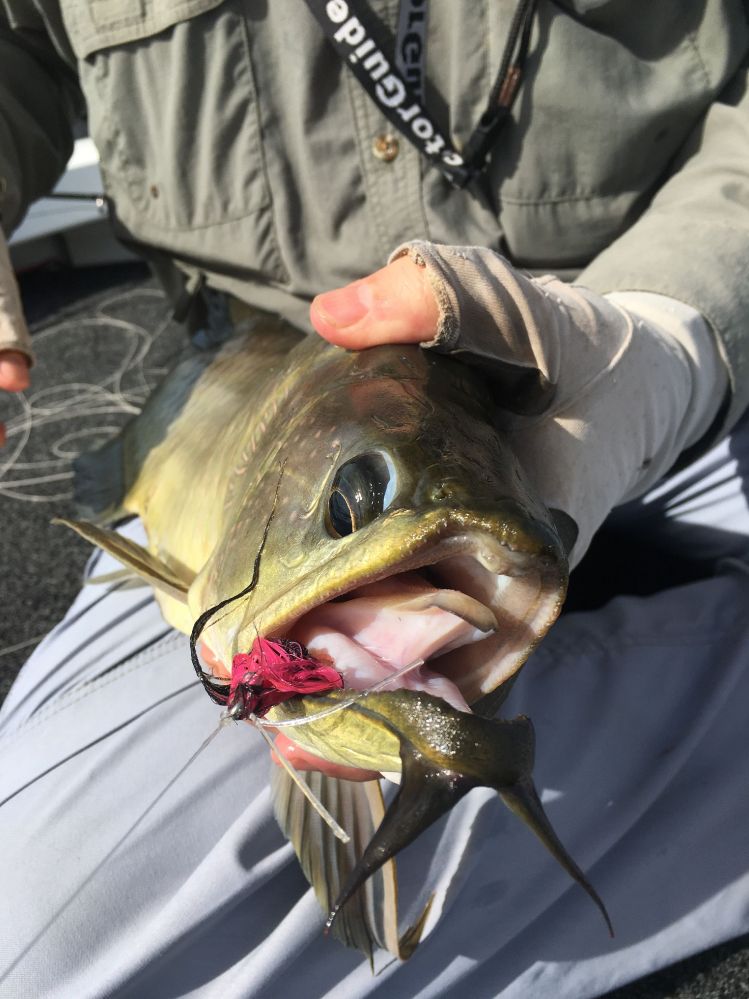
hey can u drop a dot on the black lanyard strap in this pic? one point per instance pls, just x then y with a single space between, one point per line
358 38
505 87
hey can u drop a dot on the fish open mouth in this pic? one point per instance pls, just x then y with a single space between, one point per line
470 608
469 591
470 594
471 626
464 621
369 633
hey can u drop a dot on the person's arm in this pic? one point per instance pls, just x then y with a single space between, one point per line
39 98
692 242
39 101
612 391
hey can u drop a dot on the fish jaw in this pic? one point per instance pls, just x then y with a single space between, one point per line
503 562
345 738
443 754
455 509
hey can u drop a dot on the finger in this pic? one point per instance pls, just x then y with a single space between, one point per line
14 371
394 305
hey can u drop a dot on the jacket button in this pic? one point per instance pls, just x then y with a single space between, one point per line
385 148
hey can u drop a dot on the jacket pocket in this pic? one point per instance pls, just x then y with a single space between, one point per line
173 112
97 24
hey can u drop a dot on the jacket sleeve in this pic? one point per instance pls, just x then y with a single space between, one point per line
39 99
692 241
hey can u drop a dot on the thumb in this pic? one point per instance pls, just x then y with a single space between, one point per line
394 305
14 371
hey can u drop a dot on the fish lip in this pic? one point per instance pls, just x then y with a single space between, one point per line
269 621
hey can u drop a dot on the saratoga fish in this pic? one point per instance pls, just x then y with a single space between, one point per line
364 506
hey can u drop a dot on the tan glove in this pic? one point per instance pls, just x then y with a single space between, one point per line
15 343
603 393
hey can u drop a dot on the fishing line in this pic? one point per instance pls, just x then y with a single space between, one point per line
205 617
302 784
22 645
36 477
326 712
31 475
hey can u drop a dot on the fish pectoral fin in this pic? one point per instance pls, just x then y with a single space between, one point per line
125 578
371 921
426 792
522 798
154 570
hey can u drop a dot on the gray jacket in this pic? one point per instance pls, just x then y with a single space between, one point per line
233 139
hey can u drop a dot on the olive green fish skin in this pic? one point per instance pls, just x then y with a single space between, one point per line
443 754
457 486
368 734
241 457
266 428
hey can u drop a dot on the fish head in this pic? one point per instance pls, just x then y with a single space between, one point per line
387 492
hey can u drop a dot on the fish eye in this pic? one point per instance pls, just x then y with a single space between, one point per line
358 495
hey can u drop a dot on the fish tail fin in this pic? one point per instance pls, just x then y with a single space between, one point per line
425 794
522 798
99 485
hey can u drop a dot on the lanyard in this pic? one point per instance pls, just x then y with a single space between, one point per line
410 44
396 85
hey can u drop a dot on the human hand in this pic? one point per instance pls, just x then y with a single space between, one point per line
14 376
15 342
599 400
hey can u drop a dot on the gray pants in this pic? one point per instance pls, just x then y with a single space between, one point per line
641 720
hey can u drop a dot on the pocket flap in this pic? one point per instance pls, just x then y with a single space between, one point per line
99 24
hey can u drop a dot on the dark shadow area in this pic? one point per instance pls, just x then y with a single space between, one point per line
644 548
617 564
50 292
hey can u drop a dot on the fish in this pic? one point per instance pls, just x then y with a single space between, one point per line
365 507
